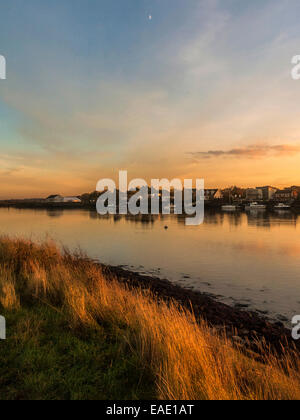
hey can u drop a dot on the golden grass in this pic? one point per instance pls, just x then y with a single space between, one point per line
189 360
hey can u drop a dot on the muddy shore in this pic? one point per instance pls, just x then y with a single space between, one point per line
246 327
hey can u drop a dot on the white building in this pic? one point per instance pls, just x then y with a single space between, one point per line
254 194
268 192
71 200
54 199
59 199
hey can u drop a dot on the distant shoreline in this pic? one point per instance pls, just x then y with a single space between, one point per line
58 205
28 204
40 205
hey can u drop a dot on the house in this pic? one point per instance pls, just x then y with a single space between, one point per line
213 194
267 192
237 193
233 193
296 192
287 195
71 200
54 199
254 194
59 199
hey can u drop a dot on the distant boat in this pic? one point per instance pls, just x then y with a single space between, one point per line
256 206
230 207
282 206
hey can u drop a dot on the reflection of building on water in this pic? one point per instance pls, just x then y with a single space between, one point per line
235 219
142 218
214 218
93 214
268 220
261 219
55 213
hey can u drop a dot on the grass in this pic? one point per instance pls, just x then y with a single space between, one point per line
44 359
74 333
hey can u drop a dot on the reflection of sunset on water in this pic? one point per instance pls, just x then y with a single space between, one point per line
238 256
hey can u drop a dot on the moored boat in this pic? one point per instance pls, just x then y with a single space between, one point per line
256 206
282 206
230 207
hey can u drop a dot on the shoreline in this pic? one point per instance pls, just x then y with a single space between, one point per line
44 206
35 205
245 327
245 324
67 314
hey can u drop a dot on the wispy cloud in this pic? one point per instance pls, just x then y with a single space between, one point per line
199 80
249 152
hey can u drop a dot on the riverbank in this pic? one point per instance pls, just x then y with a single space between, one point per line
250 327
215 205
28 204
77 330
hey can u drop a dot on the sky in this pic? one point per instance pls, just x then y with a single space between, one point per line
161 88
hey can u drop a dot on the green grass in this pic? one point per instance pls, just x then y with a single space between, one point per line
76 333
43 358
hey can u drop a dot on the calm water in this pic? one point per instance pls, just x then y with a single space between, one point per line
251 259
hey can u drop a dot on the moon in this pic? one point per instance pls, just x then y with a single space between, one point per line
150 17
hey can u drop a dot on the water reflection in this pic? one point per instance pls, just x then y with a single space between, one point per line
257 218
269 219
260 219
55 212
244 257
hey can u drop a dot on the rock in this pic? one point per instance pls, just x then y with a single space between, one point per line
241 305
234 321
282 318
263 312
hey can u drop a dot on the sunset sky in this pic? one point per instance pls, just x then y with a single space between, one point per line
202 89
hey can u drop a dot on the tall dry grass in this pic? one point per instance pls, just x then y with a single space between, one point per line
189 360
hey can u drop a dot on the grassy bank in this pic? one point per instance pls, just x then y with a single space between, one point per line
73 333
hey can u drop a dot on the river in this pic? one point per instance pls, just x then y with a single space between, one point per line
246 259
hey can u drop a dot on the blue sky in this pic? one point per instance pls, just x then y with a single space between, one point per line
94 86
